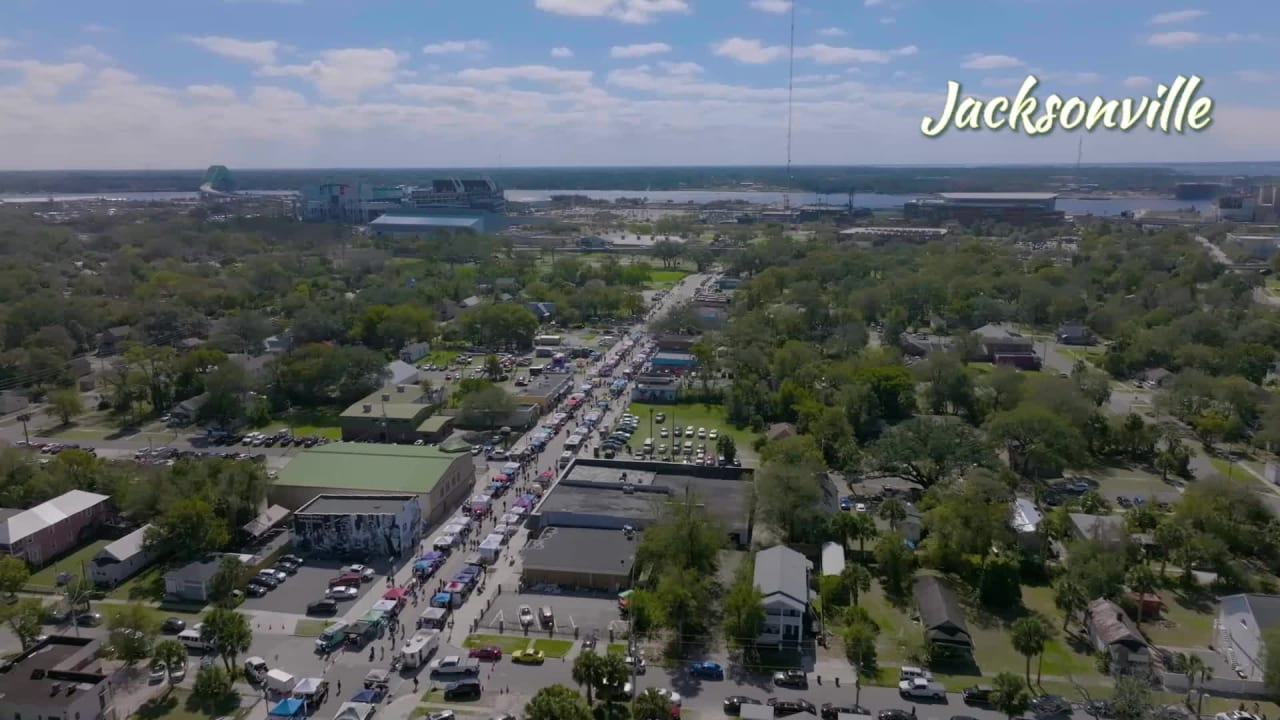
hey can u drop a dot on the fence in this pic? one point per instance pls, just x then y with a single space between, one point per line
1217 687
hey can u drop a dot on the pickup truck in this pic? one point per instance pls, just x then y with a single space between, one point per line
454 665
922 688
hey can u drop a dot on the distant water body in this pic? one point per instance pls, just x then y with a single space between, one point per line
1097 206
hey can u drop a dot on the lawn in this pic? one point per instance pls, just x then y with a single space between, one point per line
1089 355
508 643
146 585
158 615
74 564
1184 621
553 648
311 628
616 649
894 623
319 423
1232 470
695 414
669 277
440 357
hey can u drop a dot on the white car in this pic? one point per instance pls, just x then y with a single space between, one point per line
343 592
158 672
670 696
860 507
922 688
637 662
526 615
713 434
178 671
364 571
279 575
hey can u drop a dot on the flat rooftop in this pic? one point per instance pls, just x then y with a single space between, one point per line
598 490
356 505
67 661
979 197
366 466
398 405
586 550
544 386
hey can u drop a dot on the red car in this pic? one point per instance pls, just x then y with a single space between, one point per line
487 652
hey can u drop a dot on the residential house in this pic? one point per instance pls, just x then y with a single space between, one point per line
1109 529
941 617
254 366
120 560
911 527
1111 631
782 577
1003 346
470 302
111 339
186 411
413 352
1074 334
1155 377
780 431
190 582
659 389
1025 520
60 678
400 372
920 344
446 310
1243 620
278 344
53 528
543 311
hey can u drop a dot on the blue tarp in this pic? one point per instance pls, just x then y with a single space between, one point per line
290 707
372 697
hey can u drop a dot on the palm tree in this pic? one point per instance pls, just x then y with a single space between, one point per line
854 526
857 580
1141 581
588 669
1168 536
1069 597
169 653
1196 671
893 512
650 705
1030 634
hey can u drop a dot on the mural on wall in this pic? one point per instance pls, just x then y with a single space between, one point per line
359 536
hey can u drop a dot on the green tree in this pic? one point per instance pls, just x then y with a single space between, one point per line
789 496
895 563
855 579
133 632
859 635
556 702
1037 439
492 368
651 705
727 447
1142 581
643 613
189 528
171 654
229 577
893 512
588 669
14 574
1131 699
79 592
1069 597
211 688
23 620
228 633
931 450
1197 671
66 404
1029 635
743 610
854 526
1009 694
488 406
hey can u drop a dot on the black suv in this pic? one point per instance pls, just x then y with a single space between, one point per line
783 708
463 690
791 679
831 711
977 695
733 704
328 606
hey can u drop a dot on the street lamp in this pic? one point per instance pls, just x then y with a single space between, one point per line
24 418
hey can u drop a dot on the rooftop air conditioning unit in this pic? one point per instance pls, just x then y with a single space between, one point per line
368 408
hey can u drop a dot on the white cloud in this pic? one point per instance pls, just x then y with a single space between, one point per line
451 47
276 97
344 74
88 55
681 68
212 93
1186 38
561 52
1073 78
1256 76
1176 16
528 73
979 61
629 11
872 3
639 50
776 7
44 79
832 32
754 52
1139 82
260 52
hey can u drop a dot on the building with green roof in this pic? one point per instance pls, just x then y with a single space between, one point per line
391 414
440 480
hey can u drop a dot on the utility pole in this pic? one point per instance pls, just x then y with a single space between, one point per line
24 418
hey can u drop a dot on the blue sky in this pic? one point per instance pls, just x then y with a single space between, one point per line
298 83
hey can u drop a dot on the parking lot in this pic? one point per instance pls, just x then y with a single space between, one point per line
583 613
308 585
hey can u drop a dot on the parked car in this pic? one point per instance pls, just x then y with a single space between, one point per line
90 619
526 615
707 669
486 652
158 672
976 695
327 606
1049 706
268 581
783 708
463 690
733 704
791 679
922 688
173 626
178 671
365 572
279 575
894 714
528 657
343 592
255 589
831 711
345 578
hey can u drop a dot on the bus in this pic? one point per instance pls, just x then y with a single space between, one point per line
548 340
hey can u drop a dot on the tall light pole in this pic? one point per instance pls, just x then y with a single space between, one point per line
24 418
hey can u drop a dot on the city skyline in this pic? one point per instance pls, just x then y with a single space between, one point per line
545 83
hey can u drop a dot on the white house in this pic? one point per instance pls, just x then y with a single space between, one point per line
1242 621
120 560
782 577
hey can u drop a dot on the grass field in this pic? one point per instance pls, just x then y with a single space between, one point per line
553 648
616 649
176 705
320 423
146 585
1089 355
508 643
686 414
311 628
74 564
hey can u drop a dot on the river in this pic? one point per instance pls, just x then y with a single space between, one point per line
1100 205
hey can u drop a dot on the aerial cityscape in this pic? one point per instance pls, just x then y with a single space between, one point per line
639 359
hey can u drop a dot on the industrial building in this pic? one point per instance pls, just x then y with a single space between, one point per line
545 391
580 558
350 525
614 494
970 208
446 205
438 479
393 413
59 677
1259 246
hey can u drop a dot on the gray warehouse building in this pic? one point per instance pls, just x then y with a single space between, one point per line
379 526
611 495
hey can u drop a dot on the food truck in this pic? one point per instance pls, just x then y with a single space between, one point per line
434 618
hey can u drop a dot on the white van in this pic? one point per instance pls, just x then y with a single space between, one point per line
908 672
255 669
192 641
566 457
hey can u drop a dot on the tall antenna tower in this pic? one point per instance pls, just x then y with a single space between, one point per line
791 77
1079 156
